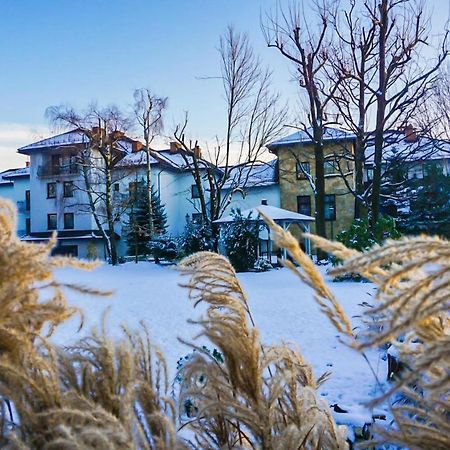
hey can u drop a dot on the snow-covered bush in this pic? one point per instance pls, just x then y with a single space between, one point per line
164 247
197 237
241 240
262 265
361 237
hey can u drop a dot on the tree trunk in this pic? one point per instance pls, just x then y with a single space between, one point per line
381 112
109 210
320 196
359 177
149 188
86 163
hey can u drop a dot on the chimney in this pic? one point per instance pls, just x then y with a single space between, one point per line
27 164
197 152
137 146
116 135
174 147
264 202
410 133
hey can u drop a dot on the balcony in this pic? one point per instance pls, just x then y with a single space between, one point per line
48 170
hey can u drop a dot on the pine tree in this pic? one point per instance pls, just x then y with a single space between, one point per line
429 204
159 214
138 238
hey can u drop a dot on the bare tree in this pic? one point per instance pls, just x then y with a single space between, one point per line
289 31
254 116
106 145
148 110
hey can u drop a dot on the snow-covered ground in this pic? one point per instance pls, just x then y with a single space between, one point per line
283 308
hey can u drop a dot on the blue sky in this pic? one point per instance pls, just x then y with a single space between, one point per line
74 52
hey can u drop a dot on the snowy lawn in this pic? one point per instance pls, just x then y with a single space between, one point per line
283 308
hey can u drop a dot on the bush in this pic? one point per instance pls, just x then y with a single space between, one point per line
197 237
241 241
164 247
361 237
262 265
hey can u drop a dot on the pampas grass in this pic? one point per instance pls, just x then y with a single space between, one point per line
411 312
106 394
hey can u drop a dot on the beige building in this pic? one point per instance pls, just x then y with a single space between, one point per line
297 173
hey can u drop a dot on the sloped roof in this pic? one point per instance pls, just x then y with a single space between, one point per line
276 214
73 137
253 175
306 137
423 148
14 173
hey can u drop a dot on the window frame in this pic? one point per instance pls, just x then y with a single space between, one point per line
333 164
195 193
27 200
326 197
52 183
309 203
49 215
66 215
70 183
300 175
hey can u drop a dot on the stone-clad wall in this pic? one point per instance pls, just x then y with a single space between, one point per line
291 187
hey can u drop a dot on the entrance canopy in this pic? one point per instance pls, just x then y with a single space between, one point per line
282 217
278 215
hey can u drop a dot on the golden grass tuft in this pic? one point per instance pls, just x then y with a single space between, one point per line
411 313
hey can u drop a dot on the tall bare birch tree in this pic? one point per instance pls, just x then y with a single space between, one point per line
148 111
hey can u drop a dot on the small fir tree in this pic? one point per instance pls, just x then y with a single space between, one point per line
428 204
241 241
138 238
197 237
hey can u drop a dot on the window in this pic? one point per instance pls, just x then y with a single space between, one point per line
304 204
116 187
370 174
301 169
197 217
331 167
68 188
330 207
133 187
68 221
27 200
51 222
65 250
28 226
51 190
431 168
415 171
194 191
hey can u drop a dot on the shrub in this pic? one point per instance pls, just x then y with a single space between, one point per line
361 237
164 247
262 265
241 240
197 237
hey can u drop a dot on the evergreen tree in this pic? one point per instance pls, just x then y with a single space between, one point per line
241 241
138 238
159 214
428 208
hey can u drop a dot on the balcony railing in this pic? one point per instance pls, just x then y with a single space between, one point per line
47 170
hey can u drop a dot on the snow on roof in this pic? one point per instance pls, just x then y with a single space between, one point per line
253 175
72 137
136 159
276 214
306 136
178 159
11 173
423 148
